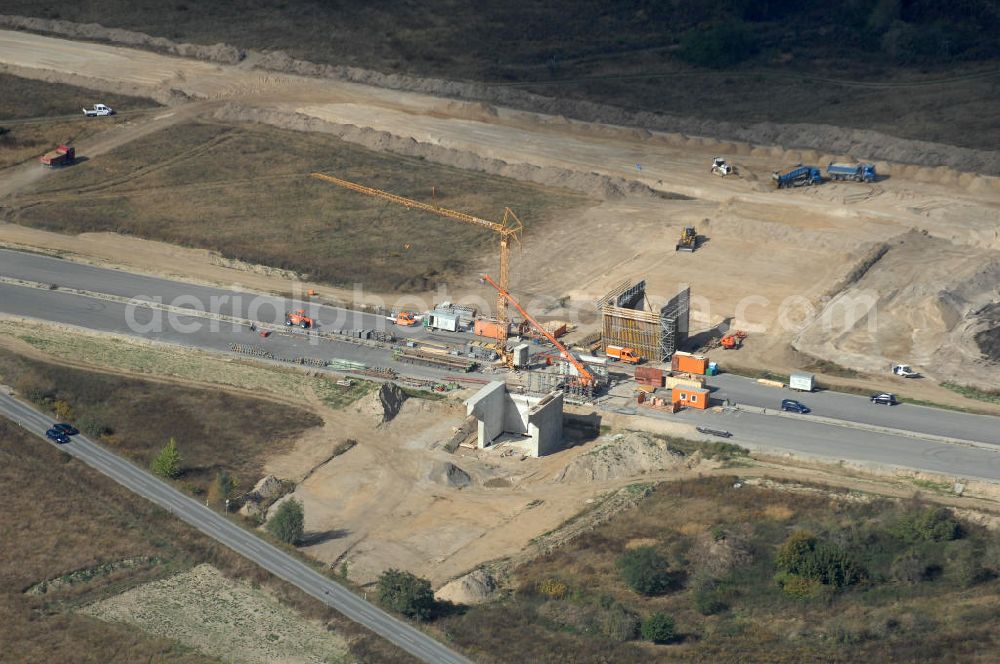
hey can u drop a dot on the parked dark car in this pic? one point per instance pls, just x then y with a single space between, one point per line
885 399
57 435
794 406
66 429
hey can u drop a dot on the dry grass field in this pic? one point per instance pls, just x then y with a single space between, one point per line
246 192
214 430
925 591
36 116
65 522
60 516
913 69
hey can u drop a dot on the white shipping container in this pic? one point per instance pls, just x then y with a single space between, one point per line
443 320
801 381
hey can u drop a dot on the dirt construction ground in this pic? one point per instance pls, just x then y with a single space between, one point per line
774 261
918 253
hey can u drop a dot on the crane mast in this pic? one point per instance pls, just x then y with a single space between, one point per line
586 378
509 230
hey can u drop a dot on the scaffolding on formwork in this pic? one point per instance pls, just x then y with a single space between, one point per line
612 297
543 382
630 328
654 336
675 322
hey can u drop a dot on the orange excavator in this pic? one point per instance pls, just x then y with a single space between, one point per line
298 317
733 340
586 378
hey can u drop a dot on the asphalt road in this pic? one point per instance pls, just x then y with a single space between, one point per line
228 302
854 408
803 437
239 540
831 442
178 329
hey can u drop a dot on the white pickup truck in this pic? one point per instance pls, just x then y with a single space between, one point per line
98 110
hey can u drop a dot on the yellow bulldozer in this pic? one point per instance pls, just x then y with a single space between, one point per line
689 239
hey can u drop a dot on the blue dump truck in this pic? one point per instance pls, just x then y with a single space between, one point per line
856 172
796 177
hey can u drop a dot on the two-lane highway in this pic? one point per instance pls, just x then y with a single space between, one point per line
245 543
854 408
228 302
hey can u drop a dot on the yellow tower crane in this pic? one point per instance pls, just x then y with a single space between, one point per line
509 231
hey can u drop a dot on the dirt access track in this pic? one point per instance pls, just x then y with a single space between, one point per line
774 260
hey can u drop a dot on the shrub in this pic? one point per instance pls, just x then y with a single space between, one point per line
907 567
805 556
798 586
553 589
287 523
967 563
221 488
795 550
94 427
644 570
63 411
168 462
406 593
618 623
658 628
935 524
35 389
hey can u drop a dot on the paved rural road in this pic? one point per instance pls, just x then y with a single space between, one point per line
239 540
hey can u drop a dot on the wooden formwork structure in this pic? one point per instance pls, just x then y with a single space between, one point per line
654 335
631 328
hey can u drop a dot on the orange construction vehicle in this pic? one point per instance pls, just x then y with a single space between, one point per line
733 340
64 155
585 378
405 318
298 317
626 355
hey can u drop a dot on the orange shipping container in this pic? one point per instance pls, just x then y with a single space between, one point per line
486 328
690 396
688 363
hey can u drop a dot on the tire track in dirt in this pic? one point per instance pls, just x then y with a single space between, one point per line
186 155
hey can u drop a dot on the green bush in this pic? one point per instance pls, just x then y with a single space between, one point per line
406 593
934 524
966 561
288 522
35 389
797 586
645 571
223 488
907 567
94 426
802 554
658 628
168 462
